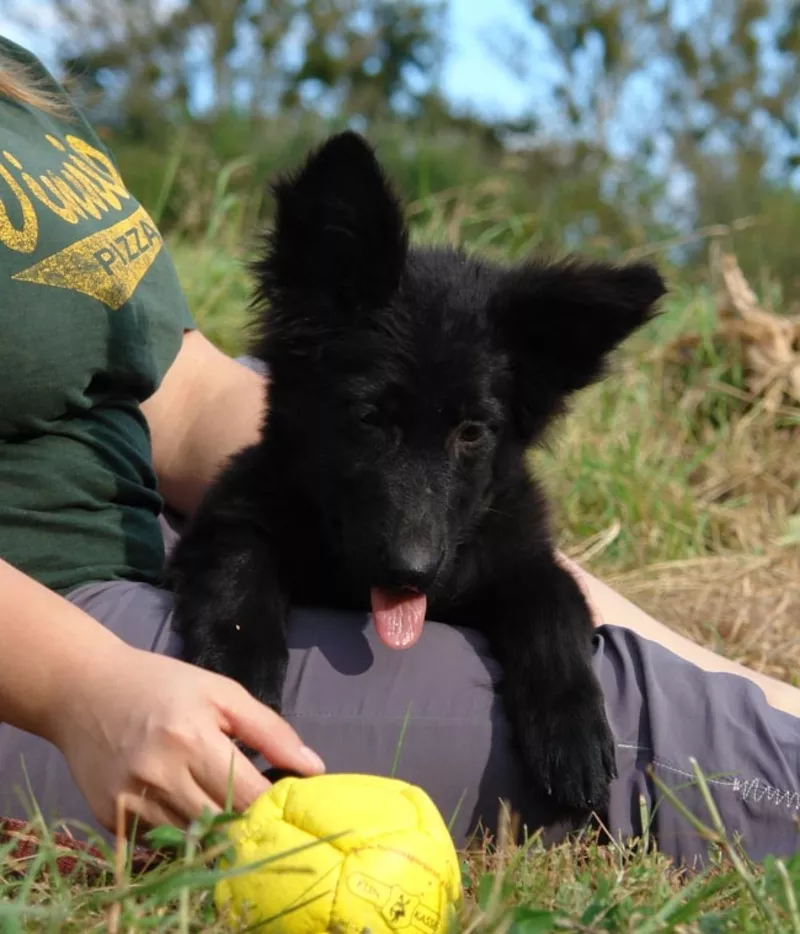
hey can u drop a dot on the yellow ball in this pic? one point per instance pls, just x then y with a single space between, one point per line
390 865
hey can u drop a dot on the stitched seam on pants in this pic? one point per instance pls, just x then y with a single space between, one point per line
760 790
672 768
730 783
755 788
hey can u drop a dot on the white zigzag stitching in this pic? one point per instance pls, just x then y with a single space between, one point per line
759 790
754 788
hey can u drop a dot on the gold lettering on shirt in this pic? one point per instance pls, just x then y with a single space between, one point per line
85 196
108 191
62 190
107 265
56 201
22 239
83 183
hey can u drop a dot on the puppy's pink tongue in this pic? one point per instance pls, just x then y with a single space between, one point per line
398 617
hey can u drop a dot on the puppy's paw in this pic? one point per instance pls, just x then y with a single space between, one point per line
568 750
262 678
269 695
266 681
260 672
265 686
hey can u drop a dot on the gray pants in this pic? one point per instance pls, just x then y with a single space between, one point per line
350 698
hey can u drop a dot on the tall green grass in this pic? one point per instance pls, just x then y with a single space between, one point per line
579 886
560 194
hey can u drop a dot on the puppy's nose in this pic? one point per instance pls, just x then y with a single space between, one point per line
414 565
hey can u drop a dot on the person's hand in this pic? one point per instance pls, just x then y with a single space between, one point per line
160 732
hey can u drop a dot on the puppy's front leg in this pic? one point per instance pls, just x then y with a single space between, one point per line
230 608
555 704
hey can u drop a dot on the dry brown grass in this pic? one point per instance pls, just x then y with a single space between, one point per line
746 608
678 482
744 605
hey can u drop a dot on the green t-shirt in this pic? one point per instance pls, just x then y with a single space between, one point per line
91 317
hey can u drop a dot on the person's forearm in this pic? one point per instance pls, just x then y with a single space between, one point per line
44 642
208 407
230 421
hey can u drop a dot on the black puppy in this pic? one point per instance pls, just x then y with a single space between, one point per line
406 385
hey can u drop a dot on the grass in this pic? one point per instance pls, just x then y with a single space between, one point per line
672 483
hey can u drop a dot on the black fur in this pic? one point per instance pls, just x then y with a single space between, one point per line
406 385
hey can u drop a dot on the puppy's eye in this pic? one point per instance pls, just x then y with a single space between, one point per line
470 434
370 416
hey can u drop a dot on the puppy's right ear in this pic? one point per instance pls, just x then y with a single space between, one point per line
560 322
339 241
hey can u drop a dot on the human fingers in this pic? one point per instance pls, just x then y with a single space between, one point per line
223 768
190 797
143 810
260 728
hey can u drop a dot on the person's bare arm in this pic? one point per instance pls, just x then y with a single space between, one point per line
207 407
131 722
46 641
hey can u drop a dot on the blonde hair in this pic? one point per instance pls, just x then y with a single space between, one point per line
19 83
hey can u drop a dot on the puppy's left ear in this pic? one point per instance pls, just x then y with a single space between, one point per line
559 323
339 240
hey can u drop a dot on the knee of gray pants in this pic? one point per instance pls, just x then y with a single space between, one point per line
431 715
666 712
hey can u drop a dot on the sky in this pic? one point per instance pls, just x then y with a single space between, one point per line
474 73
477 72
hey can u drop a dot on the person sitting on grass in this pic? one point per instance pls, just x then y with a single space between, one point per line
116 411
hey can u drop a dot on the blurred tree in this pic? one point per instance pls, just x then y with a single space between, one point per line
704 68
125 59
368 58
153 60
669 82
